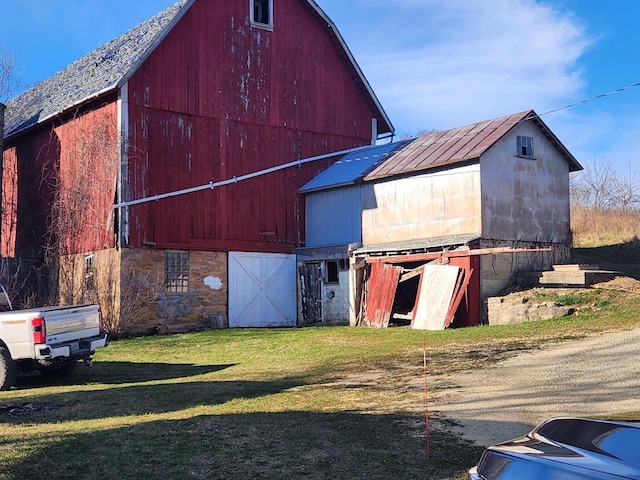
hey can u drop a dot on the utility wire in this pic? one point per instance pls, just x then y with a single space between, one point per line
587 100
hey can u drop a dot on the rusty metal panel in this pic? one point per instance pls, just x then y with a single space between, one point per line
469 311
381 291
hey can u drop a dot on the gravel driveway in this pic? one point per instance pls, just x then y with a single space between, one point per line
594 376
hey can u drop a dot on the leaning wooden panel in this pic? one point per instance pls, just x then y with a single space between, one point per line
435 293
382 286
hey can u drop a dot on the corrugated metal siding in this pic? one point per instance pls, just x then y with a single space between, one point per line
219 99
469 310
382 286
333 217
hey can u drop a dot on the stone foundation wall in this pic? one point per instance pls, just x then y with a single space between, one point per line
498 271
90 278
518 309
203 306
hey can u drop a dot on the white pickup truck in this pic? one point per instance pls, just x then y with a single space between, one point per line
49 339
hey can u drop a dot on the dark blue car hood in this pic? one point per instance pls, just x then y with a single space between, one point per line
567 449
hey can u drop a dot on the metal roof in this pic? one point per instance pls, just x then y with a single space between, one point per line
112 64
460 145
92 75
351 168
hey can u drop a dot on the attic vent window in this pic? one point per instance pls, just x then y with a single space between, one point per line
262 13
525 147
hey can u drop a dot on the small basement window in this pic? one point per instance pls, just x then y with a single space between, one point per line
262 13
525 147
176 272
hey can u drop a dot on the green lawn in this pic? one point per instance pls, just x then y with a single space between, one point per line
315 403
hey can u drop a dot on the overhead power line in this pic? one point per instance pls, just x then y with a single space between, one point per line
587 100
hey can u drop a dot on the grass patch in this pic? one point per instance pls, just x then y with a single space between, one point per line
579 297
275 403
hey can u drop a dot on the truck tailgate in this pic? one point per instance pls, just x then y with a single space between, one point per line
71 323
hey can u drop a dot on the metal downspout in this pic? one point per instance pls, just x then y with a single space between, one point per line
211 185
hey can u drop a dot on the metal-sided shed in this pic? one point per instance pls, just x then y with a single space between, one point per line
449 218
333 203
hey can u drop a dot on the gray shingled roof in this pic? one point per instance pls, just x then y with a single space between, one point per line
95 73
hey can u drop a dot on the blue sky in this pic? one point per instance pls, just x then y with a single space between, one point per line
434 64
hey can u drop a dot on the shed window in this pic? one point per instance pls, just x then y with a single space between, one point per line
176 272
262 12
332 271
525 147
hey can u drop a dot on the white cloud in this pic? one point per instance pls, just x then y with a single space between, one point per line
476 60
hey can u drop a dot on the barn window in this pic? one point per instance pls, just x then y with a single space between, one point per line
89 265
176 272
89 275
262 13
525 147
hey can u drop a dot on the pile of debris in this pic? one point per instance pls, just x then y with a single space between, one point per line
26 408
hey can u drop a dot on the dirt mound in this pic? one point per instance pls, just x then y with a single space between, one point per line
623 284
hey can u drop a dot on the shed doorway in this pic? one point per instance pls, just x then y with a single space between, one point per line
262 290
311 285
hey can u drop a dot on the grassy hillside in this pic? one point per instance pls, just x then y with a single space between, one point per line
609 239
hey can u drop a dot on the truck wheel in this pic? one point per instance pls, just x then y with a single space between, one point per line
59 371
8 369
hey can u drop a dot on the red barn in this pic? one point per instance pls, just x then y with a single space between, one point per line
100 161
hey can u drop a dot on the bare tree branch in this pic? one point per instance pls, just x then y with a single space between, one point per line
11 79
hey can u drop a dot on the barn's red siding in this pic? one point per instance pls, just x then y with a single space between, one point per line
26 192
219 98
76 157
88 166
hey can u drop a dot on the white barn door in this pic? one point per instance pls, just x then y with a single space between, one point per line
262 290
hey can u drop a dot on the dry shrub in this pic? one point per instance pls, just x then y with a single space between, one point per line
137 303
596 227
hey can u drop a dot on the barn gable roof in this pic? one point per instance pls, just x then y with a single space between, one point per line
96 73
461 145
112 64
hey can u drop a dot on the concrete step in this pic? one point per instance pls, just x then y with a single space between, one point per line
568 276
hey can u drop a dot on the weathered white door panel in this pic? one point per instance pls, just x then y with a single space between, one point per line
435 294
262 290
